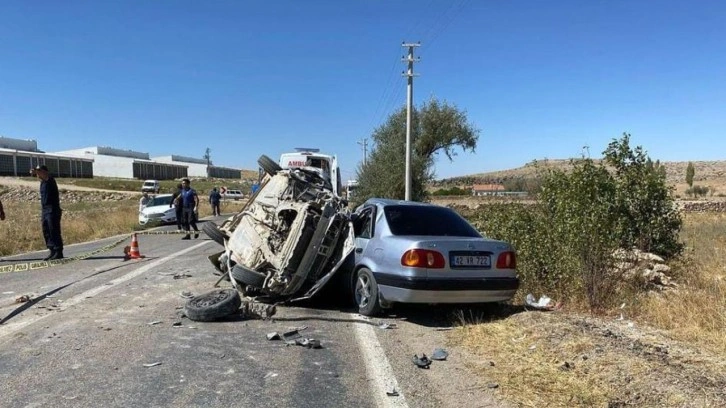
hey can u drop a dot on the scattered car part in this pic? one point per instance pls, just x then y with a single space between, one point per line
439 354
421 362
213 305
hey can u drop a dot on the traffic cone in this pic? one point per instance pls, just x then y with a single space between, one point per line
134 250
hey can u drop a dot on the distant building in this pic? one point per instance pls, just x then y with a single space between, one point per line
18 156
111 162
198 167
487 189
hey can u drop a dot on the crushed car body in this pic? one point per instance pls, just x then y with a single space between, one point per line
289 235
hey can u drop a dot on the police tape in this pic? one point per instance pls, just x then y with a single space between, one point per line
34 265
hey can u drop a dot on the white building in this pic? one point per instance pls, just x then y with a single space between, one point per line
111 162
198 167
18 156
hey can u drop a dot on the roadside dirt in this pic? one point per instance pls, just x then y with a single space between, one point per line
562 359
17 182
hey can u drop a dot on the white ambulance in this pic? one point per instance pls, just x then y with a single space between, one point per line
311 159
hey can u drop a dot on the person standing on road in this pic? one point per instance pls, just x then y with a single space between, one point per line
214 200
176 202
190 202
50 212
144 200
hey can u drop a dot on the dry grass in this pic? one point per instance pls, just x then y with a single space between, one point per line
613 363
696 312
21 231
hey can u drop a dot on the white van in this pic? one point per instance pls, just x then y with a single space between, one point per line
311 159
151 186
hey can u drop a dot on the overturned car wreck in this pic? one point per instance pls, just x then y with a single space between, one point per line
289 239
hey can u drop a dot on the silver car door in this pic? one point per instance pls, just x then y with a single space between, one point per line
364 230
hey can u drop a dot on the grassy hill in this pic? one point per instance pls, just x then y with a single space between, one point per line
711 174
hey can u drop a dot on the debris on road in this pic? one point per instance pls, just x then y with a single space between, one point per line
182 275
392 393
309 343
255 310
294 338
186 294
387 326
439 354
155 322
544 303
154 364
22 299
421 362
443 328
291 336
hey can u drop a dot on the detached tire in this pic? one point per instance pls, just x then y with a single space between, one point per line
366 293
248 277
213 305
213 231
268 165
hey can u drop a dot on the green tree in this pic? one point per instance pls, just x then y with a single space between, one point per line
436 127
690 172
566 239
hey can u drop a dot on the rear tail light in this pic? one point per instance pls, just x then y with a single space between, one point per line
507 260
422 258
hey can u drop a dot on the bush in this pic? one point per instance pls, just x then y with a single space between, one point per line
564 242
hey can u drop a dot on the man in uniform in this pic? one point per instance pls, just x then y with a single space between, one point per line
50 212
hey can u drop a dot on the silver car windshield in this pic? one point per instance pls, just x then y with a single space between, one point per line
427 221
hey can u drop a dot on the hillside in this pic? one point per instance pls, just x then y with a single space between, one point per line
711 174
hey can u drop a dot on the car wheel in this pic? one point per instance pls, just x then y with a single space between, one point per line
213 305
214 232
248 277
268 165
366 293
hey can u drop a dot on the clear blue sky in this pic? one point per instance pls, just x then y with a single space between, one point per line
539 78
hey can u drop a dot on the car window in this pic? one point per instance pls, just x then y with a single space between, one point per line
363 225
427 221
166 200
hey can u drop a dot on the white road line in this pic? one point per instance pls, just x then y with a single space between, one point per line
379 370
12 327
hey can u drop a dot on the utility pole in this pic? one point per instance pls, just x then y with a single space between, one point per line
208 157
409 102
364 143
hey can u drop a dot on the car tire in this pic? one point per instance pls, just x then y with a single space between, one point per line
247 276
268 165
365 293
213 231
213 305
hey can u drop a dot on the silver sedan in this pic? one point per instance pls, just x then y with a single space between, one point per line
412 252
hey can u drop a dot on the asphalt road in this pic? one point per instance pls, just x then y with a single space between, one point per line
92 325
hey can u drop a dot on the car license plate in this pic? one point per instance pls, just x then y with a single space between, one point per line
471 260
